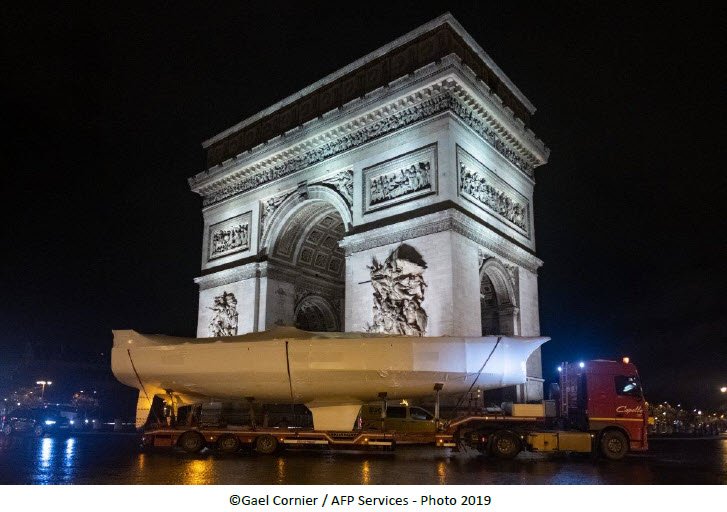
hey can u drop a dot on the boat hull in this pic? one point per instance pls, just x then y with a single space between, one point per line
317 369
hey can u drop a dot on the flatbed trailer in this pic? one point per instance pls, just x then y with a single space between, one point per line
269 440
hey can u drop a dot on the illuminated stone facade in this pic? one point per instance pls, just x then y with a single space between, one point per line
393 196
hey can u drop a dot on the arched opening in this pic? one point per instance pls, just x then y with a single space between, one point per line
498 306
314 313
307 262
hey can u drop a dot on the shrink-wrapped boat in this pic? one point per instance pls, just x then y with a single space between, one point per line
332 373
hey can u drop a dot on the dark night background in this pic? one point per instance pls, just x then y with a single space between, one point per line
105 109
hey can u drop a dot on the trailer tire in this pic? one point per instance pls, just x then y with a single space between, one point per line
191 442
505 444
614 445
228 443
266 444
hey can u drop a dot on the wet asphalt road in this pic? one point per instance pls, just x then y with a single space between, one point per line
115 459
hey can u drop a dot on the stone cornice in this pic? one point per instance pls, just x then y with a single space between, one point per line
456 92
447 220
232 275
445 19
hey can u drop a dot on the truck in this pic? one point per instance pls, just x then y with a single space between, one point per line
597 407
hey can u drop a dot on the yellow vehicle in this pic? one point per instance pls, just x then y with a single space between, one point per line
399 418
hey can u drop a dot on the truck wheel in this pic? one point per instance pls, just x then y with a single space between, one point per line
505 445
191 442
38 430
266 444
228 443
614 445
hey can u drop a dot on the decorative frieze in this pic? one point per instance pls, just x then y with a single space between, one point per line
229 236
434 105
400 179
398 293
484 188
224 316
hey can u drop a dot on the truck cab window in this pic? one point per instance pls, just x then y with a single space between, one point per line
396 412
416 413
628 386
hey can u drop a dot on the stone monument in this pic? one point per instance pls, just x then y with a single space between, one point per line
393 196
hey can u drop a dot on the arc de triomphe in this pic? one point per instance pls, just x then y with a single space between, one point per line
394 195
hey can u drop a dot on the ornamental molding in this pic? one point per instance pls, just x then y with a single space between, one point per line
448 220
474 105
232 275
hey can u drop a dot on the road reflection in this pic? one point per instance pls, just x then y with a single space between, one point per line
116 459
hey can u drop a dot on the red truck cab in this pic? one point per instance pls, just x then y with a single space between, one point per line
605 397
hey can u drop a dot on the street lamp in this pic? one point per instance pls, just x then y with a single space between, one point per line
43 383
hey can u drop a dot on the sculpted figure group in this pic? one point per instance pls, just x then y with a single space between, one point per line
398 293
477 186
226 240
224 318
398 183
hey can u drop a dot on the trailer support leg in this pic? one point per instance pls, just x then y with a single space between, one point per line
437 388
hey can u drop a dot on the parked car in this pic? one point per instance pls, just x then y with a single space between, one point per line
33 421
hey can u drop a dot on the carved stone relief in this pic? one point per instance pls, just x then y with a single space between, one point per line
401 179
229 236
343 183
482 187
268 209
224 318
398 293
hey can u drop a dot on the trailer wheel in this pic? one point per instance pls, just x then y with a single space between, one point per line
191 442
614 445
505 444
228 443
266 444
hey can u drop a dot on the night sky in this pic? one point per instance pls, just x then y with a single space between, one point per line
105 109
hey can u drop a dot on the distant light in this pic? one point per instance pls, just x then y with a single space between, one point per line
50 422
560 368
18 403
723 389
40 382
664 413
626 360
85 421
71 422
582 364
699 412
